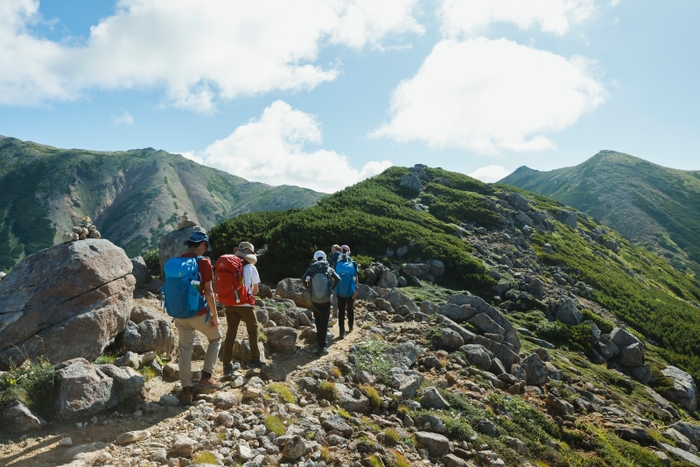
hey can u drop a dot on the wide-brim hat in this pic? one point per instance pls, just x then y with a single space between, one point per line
246 250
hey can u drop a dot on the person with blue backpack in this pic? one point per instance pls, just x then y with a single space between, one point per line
320 279
346 290
189 299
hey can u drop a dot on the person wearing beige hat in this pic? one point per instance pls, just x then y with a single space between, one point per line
244 312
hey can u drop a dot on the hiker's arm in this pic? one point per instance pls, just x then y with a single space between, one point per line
255 289
211 301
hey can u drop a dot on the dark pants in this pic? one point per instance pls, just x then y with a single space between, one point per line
234 315
344 302
322 312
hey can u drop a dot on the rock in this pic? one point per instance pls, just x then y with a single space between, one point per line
183 446
486 427
535 370
632 355
281 339
406 381
140 271
74 308
451 460
467 335
536 287
364 292
484 322
477 355
224 400
294 448
172 244
132 437
411 183
388 280
449 340
436 444
141 313
643 374
681 454
126 383
633 433
680 439
351 400
690 431
568 313
623 338
437 268
561 406
607 348
501 351
415 269
154 335
273 372
432 399
337 423
169 400
430 422
364 377
130 359
82 390
294 289
684 392
16 417
458 313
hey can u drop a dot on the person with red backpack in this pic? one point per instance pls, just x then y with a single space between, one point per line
202 318
237 282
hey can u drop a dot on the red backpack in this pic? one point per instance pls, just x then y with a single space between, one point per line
230 288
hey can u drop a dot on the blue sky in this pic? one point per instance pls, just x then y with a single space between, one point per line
323 93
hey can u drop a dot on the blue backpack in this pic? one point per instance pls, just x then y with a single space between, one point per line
182 299
348 285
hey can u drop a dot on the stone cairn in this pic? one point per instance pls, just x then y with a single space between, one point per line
185 222
85 229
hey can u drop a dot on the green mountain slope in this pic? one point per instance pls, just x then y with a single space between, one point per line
652 205
444 219
133 197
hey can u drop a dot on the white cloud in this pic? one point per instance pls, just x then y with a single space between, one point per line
272 150
489 95
469 17
199 52
124 119
490 173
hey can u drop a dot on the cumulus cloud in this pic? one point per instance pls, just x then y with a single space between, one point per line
490 173
273 150
124 119
460 17
197 51
490 95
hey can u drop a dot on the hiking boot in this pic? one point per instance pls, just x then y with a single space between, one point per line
209 383
186 396
350 329
322 351
257 364
341 335
229 369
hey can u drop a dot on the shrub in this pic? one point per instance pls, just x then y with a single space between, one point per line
282 391
343 413
328 391
205 457
106 359
32 385
375 401
391 437
325 454
151 260
336 373
575 337
274 424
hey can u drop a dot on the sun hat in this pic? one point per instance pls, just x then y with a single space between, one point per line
345 249
320 255
246 250
199 237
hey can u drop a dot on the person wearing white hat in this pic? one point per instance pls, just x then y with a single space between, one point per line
320 278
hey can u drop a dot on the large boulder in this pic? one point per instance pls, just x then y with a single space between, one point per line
173 245
294 289
281 339
16 417
82 389
150 335
568 313
684 392
66 301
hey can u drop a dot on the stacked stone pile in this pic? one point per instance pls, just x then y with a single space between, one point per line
83 230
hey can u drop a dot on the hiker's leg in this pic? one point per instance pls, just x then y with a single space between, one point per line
251 322
341 314
186 338
351 313
322 323
214 337
232 319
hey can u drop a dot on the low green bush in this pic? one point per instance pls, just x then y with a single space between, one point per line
32 384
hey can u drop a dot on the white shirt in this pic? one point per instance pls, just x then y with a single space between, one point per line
250 277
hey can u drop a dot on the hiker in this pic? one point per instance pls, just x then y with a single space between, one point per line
205 321
237 285
335 254
346 290
320 279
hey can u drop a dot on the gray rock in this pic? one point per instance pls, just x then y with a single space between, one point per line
536 287
140 271
281 339
451 460
484 322
690 431
561 406
150 335
183 446
633 433
681 454
458 313
82 390
607 348
486 427
130 359
141 313
415 269
411 183
132 436
294 448
430 422
568 313
388 280
437 268
364 292
76 306
127 383
477 355
632 355
273 372
406 381
338 423
224 400
535 370
294 289
501 351
428 307
351 400
449 340
431 399
684 392
17 418
172 244
623 338
467 335
436 444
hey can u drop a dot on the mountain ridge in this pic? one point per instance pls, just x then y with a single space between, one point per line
133 197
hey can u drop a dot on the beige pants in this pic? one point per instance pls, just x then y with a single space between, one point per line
186 328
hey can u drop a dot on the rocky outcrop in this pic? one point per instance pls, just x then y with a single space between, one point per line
173 245
67 301
684 392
